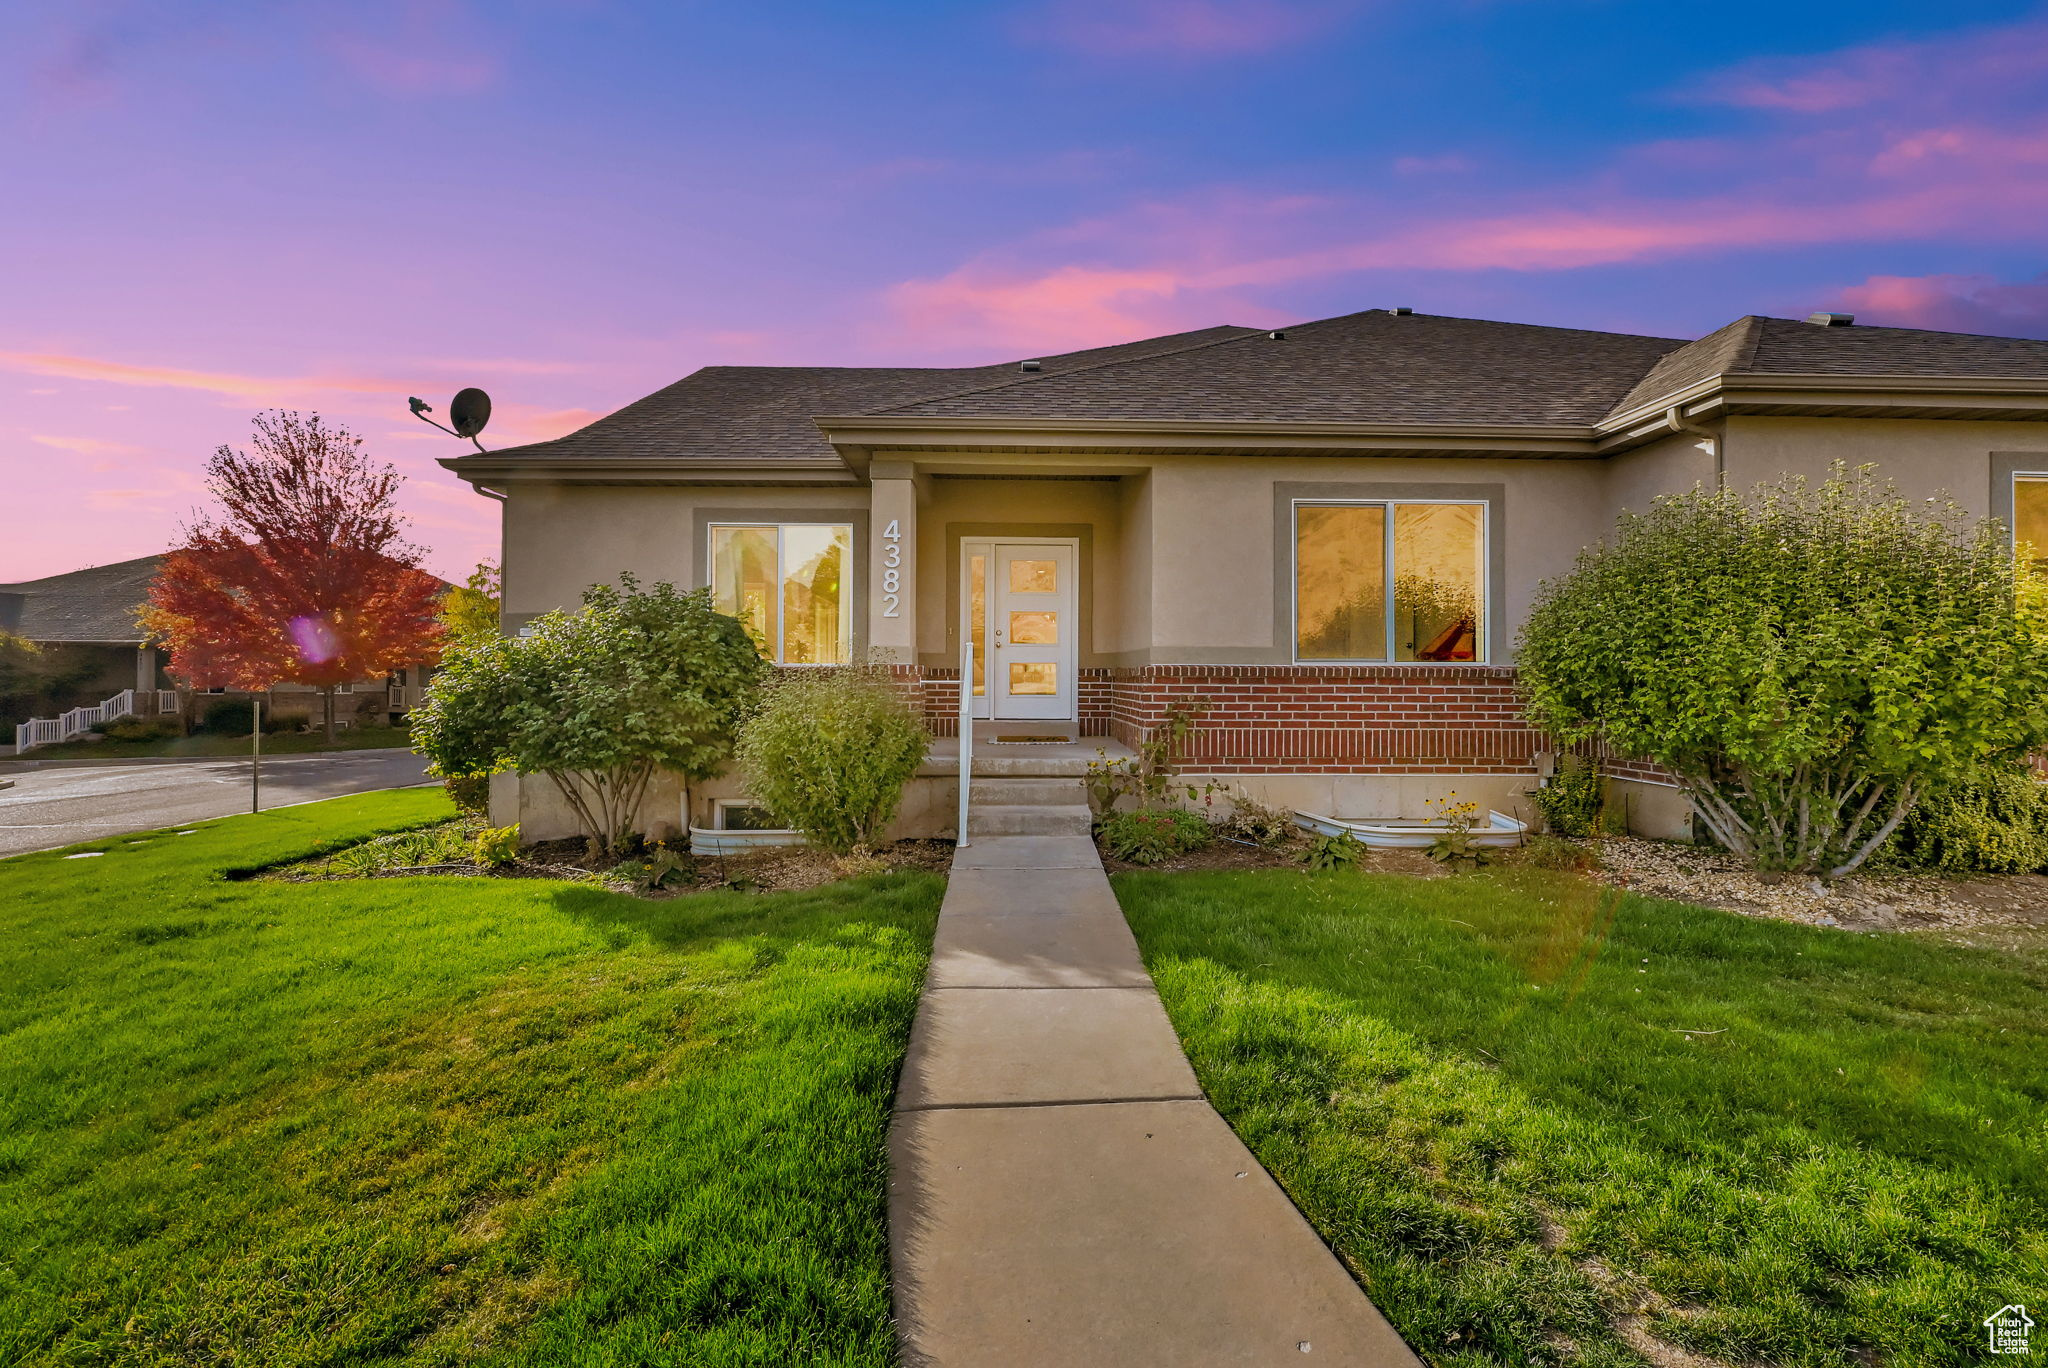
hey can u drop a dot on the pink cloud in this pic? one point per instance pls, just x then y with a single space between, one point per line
86 446
1953 303
1960 68
1179 28
249 387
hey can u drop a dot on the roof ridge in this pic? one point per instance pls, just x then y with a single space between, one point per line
1027 377
1752 340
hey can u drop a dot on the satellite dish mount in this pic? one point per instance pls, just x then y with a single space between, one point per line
468 411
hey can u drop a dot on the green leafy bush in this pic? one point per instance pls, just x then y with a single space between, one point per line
141 729
1571 803
829 751
597 700
1152 776
1341 851
471 794
496 847
1147 837
233 716
1807 662
1994 823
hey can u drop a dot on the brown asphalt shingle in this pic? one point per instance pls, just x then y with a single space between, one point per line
94 604
1372 367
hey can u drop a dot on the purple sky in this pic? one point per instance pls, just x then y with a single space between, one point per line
210 209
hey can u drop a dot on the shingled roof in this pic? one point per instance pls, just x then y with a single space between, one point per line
1373 367
96 604
764 412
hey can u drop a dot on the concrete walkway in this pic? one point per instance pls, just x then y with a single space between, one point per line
1061 1195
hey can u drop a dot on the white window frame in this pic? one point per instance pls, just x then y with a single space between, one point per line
711 531
1486 605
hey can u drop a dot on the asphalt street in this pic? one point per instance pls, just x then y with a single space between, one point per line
57 807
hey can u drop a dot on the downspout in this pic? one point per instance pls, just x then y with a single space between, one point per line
1708 442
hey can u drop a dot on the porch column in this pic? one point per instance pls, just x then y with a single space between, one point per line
145 669
892 563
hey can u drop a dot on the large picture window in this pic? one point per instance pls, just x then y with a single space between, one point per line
790 584
2030 516
1390 581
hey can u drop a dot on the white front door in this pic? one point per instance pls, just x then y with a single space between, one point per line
1020 609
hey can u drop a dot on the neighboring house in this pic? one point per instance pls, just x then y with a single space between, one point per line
1331 532
90 614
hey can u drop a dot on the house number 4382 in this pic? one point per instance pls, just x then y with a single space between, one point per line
892 574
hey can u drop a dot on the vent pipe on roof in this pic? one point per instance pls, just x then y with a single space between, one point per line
1830 320
1031 365
1401 311
1277 336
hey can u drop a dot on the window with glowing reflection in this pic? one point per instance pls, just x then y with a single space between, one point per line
2030 518
789 584
1390 581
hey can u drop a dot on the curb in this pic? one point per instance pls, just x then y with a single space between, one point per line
111 762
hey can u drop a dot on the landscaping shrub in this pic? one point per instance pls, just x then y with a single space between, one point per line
496 847
1147 837
1342 851
1572 801
1807 662
829 751
232 717
471 794
1994 823
597 700
1152 776
1257 823
142 729
1554 852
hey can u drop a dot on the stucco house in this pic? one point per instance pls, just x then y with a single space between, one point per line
1331 532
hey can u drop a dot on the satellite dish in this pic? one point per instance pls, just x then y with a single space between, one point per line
469 411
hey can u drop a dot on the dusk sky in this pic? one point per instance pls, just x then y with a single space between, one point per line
208 209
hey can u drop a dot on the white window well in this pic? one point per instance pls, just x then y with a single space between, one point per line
790 583
1390 581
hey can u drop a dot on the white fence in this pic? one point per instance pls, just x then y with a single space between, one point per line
47 731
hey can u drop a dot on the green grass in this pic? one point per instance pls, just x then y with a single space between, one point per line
440 1121
1478 1090
203 744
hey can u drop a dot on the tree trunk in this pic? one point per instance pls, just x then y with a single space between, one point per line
327 703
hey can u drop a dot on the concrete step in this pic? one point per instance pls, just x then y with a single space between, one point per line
1026 792
1028 819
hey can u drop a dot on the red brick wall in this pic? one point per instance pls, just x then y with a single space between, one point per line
1450 719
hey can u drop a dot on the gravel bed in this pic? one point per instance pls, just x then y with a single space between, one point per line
1861 902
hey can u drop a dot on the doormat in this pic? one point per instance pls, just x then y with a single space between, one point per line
1034 740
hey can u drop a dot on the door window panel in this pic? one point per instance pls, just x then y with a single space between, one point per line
1034 678
788 584
977 619
1034 577
1034 629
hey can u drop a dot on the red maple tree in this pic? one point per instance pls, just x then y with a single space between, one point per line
302 575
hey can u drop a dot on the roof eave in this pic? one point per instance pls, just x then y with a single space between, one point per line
490 469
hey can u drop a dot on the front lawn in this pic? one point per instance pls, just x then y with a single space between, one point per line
1548 1123
203 744
436 1121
